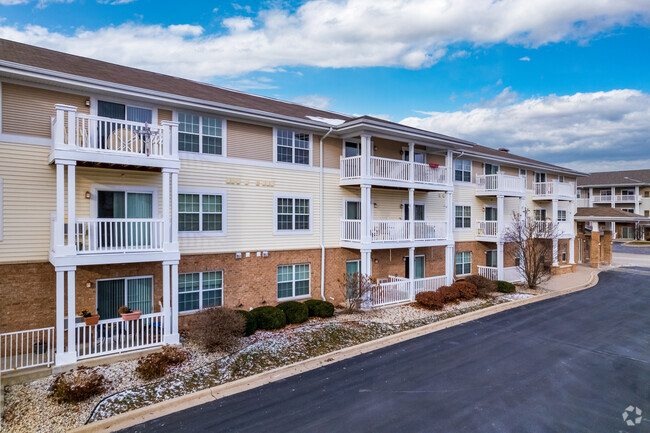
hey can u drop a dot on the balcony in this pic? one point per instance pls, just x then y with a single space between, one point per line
393 172
500 184
100 140
554 191
114 240
487 231
583 202
393 233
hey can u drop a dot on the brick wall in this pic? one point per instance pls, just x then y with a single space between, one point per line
391 261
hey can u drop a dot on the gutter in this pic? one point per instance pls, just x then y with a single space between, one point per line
321 187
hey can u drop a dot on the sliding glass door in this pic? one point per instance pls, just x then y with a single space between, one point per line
136 293
124 206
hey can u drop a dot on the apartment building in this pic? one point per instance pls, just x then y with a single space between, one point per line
627 191
120 186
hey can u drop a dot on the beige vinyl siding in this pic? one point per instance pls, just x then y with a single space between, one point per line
164 115
29 110
29 197
477 170
332 151
466 195
511 171
389 204
436 159
387 148
250 141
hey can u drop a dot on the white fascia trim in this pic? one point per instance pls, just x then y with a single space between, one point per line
224 212
278 195
99 85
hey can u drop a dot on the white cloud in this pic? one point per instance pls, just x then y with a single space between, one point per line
525 59
583 130
13 2
353 33
315 101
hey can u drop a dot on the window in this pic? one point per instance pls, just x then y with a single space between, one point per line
200 290
646 194
540 214
605 192
293 280
351 148
522 172
463 263
627 232
124 112
418 155
419 211
518 257
351 267
292 214
419 267
352 209
564 256
561 215
463 218
200 213
540 177
560 178
627 192
579 193
292 147
134 292
629 210
646 213
491 169
491 258
463 170
200 134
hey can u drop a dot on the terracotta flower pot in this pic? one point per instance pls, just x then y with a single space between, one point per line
92 320
133 315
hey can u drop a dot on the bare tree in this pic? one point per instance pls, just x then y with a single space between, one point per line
358 289
534 243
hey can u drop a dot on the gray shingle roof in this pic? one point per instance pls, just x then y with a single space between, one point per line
614 178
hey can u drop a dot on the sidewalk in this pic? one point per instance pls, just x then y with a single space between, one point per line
580 277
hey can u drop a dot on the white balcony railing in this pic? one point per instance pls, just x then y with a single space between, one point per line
117 335
554 189
500 183
488 272
620 198
110 235
394 230
543 226
583 202
393 170
602 199
488 228
26 349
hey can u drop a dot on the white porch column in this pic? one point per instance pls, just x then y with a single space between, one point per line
613 230
59 226
412 272
166 203
72 346
60 315
72 229
173 337
449 161
412 162
613 196
411 214
572 258
174 217
450 265
366 214
366 262
365 156
499 260
636 200
167 306
451 215
554 206
591 197
500 216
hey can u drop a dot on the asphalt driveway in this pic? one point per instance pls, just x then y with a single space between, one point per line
620 247
572 363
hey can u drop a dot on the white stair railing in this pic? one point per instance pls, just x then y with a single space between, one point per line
488 272
428 284
26 349
390 293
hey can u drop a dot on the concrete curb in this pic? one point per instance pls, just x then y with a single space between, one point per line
157 410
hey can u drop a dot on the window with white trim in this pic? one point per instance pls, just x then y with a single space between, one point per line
540 214
293 280
292 146
560 178
463 263
199 290
200 213
200 134
463 170
292 214
561 215
463 218
522 172
628 209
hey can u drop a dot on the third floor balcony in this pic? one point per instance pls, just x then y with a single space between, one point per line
500 184
554 190
379 171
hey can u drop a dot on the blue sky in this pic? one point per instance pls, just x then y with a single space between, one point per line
565 81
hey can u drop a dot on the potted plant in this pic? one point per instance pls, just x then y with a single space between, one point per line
89 318
128 314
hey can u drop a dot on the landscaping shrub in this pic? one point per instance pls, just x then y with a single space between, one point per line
76 386
450 294
433 300
216 328
483 285
318 308
157 364
295 312
251 322
505 287
466 290
269 318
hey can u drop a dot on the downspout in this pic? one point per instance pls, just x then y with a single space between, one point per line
322 222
